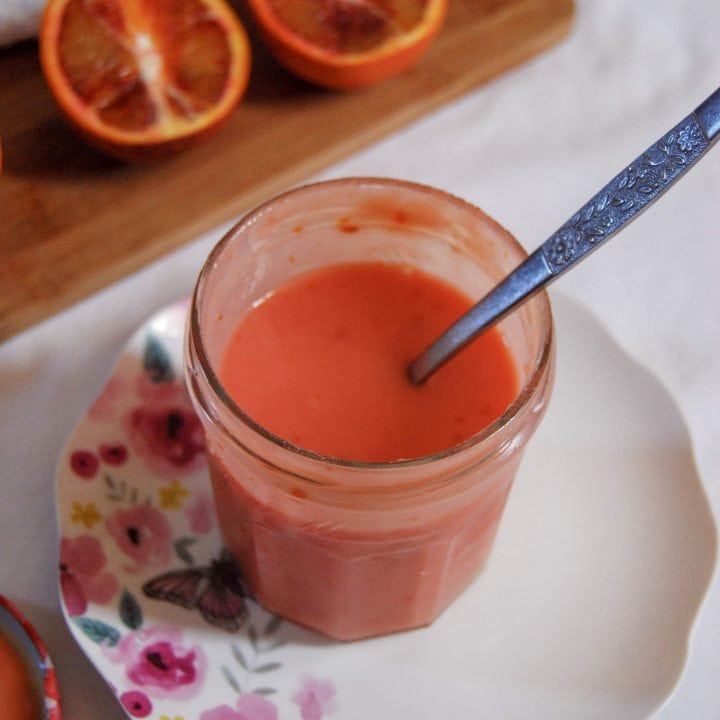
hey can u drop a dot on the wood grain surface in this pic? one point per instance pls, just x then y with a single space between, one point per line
73 221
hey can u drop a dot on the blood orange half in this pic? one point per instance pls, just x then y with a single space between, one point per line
144 78
347 44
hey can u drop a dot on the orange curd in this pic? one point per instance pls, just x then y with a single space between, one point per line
18 697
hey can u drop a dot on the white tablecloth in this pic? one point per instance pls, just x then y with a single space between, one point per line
529 148
19 20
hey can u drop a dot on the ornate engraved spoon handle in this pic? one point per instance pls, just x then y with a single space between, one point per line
630 192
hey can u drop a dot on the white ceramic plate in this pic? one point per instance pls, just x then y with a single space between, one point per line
584 611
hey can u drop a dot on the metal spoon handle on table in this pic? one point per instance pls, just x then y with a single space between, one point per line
620 201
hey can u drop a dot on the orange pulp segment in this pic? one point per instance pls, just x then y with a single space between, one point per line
349 43
144 77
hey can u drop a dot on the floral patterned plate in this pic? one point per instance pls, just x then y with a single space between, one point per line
584 610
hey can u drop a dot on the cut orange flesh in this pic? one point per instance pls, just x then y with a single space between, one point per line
142 78
349 43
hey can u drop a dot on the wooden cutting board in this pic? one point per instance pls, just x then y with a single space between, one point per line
73 220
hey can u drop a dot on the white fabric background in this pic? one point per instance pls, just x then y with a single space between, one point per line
529 148
19 20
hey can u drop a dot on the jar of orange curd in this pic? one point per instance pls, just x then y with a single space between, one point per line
356 547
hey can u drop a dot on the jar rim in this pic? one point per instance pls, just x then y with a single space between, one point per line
195 337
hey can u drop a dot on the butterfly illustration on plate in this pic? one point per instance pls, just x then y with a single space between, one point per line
217 591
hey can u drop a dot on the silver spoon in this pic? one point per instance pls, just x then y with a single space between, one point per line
637 187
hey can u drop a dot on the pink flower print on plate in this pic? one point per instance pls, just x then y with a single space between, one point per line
136 703
222 712
315 698
168 437
113 453
83 577
143 533
249 706
84 463
158 662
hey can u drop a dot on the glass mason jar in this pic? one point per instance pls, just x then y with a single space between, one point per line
356 549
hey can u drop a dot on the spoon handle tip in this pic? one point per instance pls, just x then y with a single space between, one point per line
628 194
